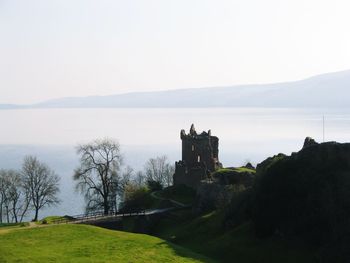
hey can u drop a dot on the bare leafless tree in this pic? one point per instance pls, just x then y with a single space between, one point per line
140 179
41 183
99 175
18 195
159 170
4 200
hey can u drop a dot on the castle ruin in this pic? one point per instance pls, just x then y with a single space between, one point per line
200 157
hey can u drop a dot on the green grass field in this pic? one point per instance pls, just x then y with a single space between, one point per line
83 243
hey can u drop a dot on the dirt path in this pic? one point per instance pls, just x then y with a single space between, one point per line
33 224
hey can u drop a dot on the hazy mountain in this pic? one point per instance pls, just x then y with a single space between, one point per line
328 90
8 106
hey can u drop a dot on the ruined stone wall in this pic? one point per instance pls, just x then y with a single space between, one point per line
199 157
189 176
199 150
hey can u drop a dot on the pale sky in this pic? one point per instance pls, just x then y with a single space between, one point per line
59 48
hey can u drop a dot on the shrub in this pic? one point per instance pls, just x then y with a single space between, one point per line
136 198
234 176
154 185
239 209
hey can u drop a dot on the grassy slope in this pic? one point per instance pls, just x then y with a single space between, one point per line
53 219
4 226
206 235
82 243
236 169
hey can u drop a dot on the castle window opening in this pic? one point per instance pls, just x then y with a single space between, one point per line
199 159
192 148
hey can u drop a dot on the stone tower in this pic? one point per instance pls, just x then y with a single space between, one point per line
200 157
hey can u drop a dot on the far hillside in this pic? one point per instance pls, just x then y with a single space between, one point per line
327 90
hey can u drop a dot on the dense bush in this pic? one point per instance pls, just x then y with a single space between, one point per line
305 195
239 209
154 185
230 176
136 199
180 193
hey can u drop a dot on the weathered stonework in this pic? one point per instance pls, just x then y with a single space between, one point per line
200 157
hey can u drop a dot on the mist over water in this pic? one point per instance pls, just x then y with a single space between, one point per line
245 134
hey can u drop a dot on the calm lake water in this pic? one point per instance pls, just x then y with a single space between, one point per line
245 134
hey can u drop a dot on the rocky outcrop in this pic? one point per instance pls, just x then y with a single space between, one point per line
264 165
249 166
309 142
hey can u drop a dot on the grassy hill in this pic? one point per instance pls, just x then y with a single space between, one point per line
206 235
82 243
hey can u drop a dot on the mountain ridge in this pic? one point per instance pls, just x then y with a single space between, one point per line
326 90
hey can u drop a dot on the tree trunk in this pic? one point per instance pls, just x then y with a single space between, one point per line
14 210
105 206
36 214
15 214
24 211
8 214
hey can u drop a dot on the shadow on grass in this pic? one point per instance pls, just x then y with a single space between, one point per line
186 253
